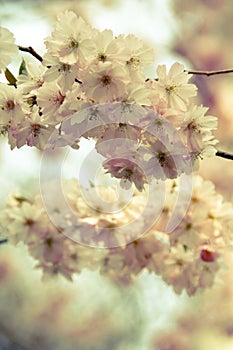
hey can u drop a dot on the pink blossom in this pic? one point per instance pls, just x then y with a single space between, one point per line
127 170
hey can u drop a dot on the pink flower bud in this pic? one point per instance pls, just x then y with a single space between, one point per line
207 255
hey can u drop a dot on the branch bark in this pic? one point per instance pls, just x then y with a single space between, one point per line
224 155
209 73
31 51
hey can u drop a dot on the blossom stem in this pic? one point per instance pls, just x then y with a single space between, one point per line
30 50
209 73
224 155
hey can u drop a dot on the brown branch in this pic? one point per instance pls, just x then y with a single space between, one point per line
224 155
209 73
202 72
31 51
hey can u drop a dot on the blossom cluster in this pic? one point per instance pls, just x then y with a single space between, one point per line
84 68
27 221
189 258
92 84
193 254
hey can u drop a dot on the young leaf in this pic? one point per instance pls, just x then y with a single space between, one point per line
22 68
10 77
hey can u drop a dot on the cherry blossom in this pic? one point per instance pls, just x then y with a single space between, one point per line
11 104
70 41
139 54
65 74
196 128
108 48
50 98
174 87
8 48
127 170
31 132
106 82
32 78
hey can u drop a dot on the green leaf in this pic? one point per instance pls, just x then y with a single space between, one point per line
10 77
22 68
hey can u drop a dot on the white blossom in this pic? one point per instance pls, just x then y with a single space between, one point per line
8 48
174 87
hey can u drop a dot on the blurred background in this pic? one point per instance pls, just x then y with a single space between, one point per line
92 313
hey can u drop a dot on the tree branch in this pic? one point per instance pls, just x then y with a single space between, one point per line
31 51
209 73
2 241
224 155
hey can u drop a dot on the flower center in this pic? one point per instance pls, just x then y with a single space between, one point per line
49 242
4 129
64 68
10 105
106 80
31 100
127 173
35 129
192 126
59 98
102 57
73 44
179 262
133 61
161 156
29 222
170 88
188 226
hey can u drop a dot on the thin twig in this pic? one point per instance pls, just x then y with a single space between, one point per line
31 51
224 155
209 73
2 241
202 72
